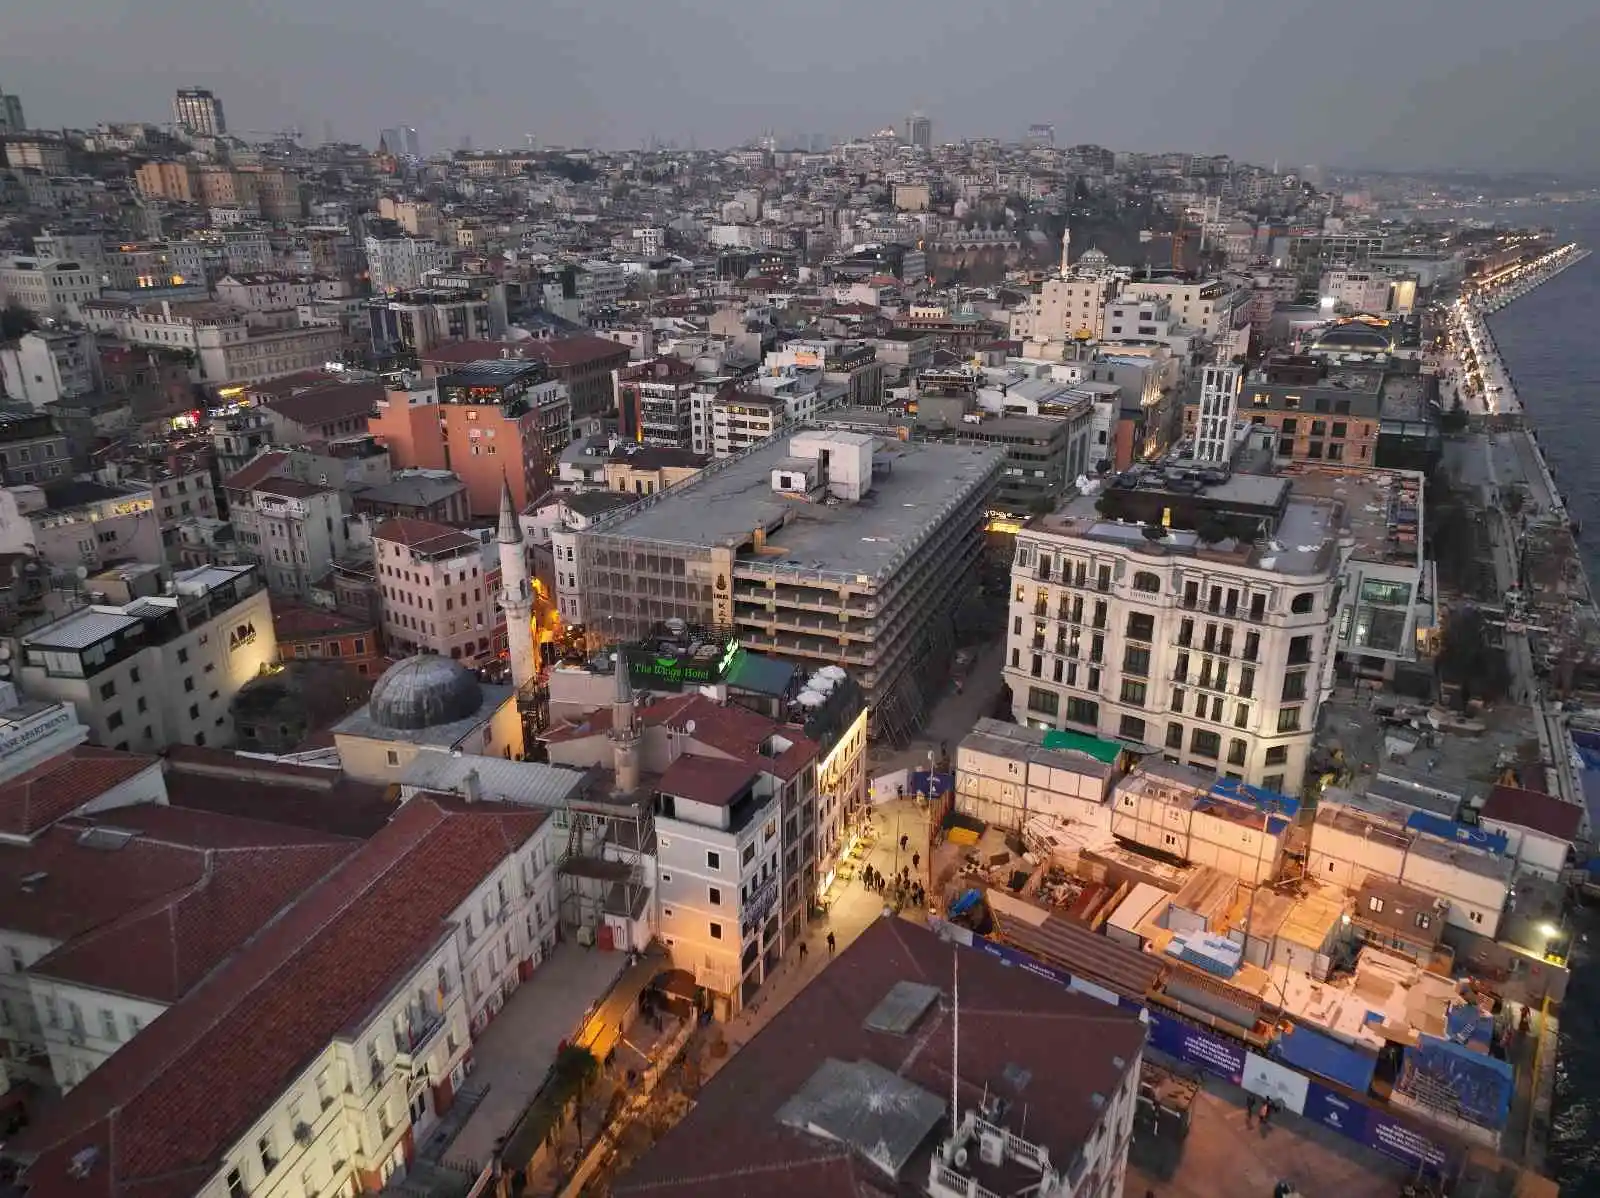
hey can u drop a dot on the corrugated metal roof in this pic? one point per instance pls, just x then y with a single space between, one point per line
80 630
1060 942
528 782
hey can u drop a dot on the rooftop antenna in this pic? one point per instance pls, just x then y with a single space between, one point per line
955 1038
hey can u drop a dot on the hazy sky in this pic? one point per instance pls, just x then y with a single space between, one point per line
1355 82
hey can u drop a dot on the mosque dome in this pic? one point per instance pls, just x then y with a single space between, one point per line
425 690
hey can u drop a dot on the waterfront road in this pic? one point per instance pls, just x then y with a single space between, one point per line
1492 465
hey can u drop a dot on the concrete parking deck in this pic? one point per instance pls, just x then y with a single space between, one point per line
516 1050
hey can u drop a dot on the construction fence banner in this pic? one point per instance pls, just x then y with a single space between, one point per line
1267 1079
1197 1047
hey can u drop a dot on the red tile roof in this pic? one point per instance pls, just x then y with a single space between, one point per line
62 886
290 383
56 788
1533 809
711 780
307 797
457 352
163 949
561 353
319 405
258 471
1016 1030
290 488
299 621
166 1108
426 535
733 731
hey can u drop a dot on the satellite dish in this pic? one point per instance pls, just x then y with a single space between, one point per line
689 727
82 572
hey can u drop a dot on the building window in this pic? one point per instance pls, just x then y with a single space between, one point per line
1278 755
1136 660
1141 626
1288 719
716 930
1204 743
1236 751
1303 603
713 859
1145 581
1134 692
1294 686
1131 728
1083 711
1045 702
108 689
714 895
235 1184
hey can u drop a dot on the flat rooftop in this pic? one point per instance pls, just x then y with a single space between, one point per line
727 502
1383 508
1306 541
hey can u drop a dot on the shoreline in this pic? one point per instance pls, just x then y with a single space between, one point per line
1496 406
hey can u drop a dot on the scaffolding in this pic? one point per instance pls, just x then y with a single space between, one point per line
602 869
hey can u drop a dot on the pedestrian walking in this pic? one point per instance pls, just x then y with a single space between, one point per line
802 950
831 944
916 860
904 840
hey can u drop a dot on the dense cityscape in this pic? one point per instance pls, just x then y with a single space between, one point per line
832 665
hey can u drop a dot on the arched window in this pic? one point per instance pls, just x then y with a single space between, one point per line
1147 582
1304 602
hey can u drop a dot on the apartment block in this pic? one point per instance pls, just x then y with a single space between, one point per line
228 350
56 287
440 588
735 824
1189 612
488 421
157 662
778 546
653 402
372 985
47 365
292 529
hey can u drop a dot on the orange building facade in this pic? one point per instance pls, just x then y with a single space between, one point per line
485 422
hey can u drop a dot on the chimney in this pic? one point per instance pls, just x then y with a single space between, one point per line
472 786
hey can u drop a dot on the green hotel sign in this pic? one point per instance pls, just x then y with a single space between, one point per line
663 669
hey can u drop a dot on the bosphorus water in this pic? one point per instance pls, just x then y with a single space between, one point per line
1550 341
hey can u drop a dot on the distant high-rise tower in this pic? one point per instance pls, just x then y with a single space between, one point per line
516 597
413 145
1042 135
919 131
200 112
1219 405
1066 251
389 140
11 114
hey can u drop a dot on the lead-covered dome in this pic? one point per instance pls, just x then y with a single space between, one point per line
425 690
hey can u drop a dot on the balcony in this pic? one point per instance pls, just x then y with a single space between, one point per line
424 1034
